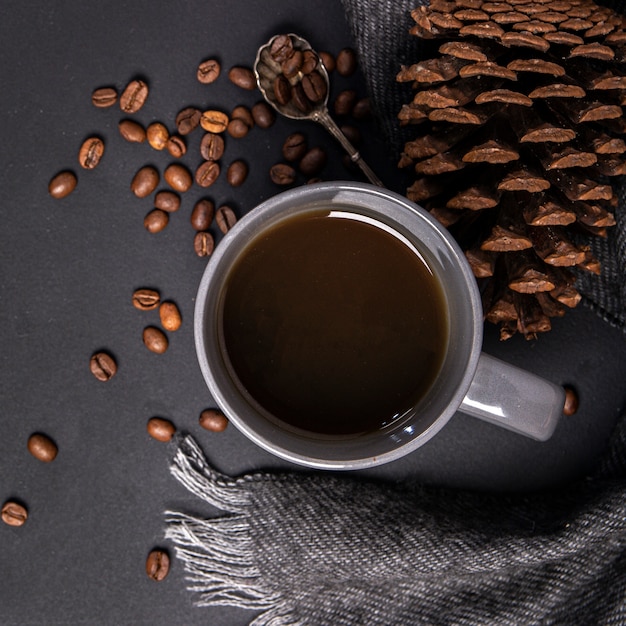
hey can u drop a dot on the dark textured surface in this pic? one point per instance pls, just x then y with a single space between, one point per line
67 272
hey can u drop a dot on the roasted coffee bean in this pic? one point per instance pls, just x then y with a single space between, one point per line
362 109
281 89
242 77
91 152
281 48
176 146
62 184
160 429
187 120
263 115
225 218
13 513
328 60
146 299
207 173
42 447
310 61
155 339
212 147
203 244
571 401
134 96
237 173
299 98
237 128
132 131
213 420
243 113
104 97
202 214
156 221
352 133
208 71
295 147
346 62
282 174
314 86
145 181
167 201
157 135
178 177
291 66
170 316
214 121
157 565
344 102
102 366
313 161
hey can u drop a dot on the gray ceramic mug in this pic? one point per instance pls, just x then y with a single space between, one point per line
469 380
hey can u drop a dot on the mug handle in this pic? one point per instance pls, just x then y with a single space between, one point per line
514 399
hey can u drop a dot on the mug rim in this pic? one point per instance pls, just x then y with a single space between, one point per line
262 214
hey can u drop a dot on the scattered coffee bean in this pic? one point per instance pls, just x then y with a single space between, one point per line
160 429
157 135
352 133
103 366
203 244
263 115
202 214
237 173
328 60
294 147
207 173
42 447
313 161
91 152
157 565
282 174
167 201
170 316
208 71
214 121
156 221
344 102
187 120
178 177
104 97
362 109
346 62
13 513
145 181
155 339
242 77
310 61
291 66
213 420
134 96
281 48
281 89
237 128
212 147
225 218
314 87
176 146
570 406
62 184
146 299
132 131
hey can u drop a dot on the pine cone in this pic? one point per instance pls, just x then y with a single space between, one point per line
519 137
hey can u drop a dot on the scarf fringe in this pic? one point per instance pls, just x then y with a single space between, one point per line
218 553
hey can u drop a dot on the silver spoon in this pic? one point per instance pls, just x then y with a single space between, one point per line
266 69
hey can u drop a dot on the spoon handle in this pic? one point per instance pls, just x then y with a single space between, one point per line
323 117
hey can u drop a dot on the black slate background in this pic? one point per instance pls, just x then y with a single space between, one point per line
68 269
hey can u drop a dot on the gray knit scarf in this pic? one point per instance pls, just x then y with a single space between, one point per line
316 549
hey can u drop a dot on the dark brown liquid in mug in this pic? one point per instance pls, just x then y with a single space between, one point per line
333 324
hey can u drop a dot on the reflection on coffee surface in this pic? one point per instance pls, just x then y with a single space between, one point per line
334 323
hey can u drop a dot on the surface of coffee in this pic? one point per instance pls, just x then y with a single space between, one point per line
334 323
